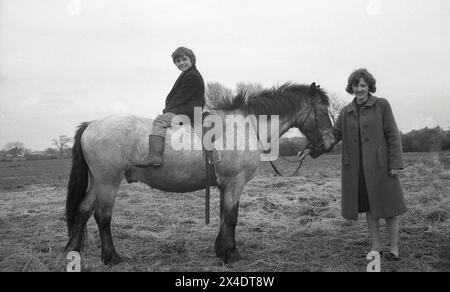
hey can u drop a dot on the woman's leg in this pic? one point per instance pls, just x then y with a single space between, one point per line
392 228
374 230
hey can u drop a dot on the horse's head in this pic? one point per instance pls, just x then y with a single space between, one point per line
315 123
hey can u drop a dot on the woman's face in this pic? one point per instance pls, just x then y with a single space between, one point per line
183 63
361 90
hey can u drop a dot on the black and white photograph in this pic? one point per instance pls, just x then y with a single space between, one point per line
213 138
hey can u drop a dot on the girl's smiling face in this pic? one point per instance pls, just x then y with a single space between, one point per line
183 63
361 90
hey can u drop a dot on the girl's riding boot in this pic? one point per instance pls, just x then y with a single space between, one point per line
155 152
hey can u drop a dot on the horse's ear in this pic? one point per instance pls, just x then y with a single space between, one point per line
312 88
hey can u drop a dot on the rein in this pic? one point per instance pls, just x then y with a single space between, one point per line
299 161
317 143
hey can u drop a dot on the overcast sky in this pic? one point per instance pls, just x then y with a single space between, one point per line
65 62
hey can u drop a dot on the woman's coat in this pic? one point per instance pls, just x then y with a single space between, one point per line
381 151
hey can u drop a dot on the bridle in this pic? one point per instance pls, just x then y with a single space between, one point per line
316 144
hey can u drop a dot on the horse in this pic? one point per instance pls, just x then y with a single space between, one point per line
107 149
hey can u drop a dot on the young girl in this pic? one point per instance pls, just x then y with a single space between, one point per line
188 92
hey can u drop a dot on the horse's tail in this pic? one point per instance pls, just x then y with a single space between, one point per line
79 179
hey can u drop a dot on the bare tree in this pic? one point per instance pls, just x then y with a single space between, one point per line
249 88
336 106
62 143
15 148
51 152
215 92
11 145
16 151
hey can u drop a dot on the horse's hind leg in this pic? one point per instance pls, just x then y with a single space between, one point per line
84 212
103 214
230 194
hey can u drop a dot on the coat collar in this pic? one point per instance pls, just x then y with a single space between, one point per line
370 102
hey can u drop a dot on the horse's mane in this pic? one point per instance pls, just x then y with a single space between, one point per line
278 100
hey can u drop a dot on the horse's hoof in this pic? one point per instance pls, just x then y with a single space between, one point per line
112 259
219 249
116 259
231 257
72 247
220 253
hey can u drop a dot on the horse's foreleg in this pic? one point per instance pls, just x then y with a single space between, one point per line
230 194
103 214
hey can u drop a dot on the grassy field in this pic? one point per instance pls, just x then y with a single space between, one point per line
285 224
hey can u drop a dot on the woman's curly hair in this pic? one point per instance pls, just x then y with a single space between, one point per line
354 78
182 51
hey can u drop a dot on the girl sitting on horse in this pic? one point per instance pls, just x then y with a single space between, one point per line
187 93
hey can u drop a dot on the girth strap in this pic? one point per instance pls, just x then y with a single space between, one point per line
210 173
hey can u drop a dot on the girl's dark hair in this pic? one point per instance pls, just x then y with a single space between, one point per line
354 78
182 51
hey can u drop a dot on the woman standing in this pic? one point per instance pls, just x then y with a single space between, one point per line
371 160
